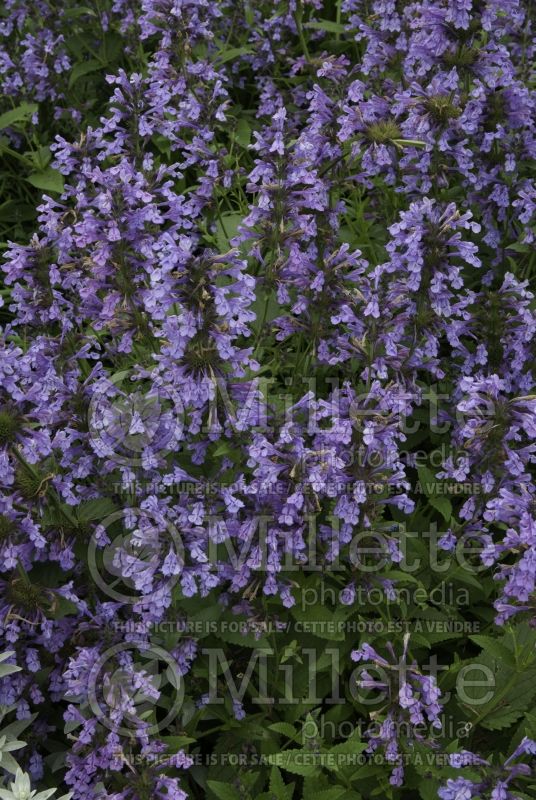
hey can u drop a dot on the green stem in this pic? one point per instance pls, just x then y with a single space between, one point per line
298 17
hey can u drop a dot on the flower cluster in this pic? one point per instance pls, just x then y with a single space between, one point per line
411 702
496 782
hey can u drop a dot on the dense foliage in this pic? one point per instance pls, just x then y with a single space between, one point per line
267 409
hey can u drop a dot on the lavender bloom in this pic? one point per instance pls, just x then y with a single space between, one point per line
491 785
498 433
412 702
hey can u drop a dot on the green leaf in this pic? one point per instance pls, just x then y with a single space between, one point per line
8 669
519 247
79 11
242 639
242 133
503 718
429 483
111 47
15 728
19 114
409 142
495 648
461 574
232 53
6 655
402 577
443 505
226 228
351 746
333 793
522 796
427 480
63 607
8 762
278 788
299 762
266 308
83 68
223 790
428 789
326 25
366 772
223 449
322 622
175 743
99 508
50 180
284 728
41 158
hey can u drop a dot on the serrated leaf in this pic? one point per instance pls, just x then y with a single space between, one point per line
49 180
503 718
322 622
428 789
83 68
244 639
223 790
296 761
439 502
494 648
284 728
278 788
367 771
333 793
351 746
